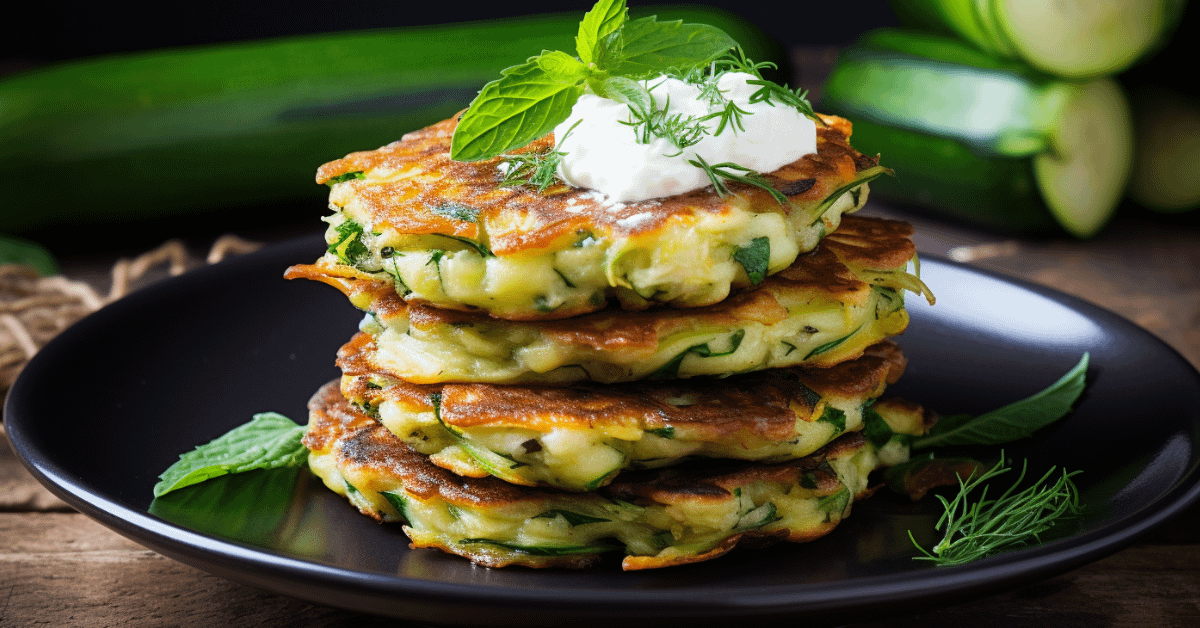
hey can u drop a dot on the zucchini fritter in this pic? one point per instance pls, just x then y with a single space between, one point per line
825 308
447 233
579 438
658 518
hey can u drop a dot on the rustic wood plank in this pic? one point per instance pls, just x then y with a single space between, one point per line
19 492
1142 587
65 570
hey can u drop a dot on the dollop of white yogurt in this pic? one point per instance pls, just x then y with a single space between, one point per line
603 154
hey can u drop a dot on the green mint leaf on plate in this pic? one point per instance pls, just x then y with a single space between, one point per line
603 20
1014 421
522 105
755 258
269 441
646 47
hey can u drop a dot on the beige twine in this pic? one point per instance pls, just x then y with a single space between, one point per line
34 309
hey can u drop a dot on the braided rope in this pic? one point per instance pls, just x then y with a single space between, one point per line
34 309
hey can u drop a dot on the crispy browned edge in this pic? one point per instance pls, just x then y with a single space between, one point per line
408 204
356 439
761 405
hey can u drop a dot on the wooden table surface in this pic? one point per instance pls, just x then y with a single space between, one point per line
60 568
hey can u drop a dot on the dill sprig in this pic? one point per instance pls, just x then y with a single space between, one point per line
535 169
718 174
975 529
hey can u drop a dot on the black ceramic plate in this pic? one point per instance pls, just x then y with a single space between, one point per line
112 402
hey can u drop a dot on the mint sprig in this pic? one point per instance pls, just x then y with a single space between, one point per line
530 99
268 441
1015 421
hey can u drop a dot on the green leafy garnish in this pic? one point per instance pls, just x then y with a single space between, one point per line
398 502
269 441
718 174
975 529
348 247
546 550
345 177
866 176
456 211
667 432
1014 421
530 99
832 344
534 168
875 428
670 370
836 502
20 251
755 258
834 417
572 518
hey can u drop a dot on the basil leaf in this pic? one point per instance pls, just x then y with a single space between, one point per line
269 441
1014 421
522 105
603 20
755 257
646 47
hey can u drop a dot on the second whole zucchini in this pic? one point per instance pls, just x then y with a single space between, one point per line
986 141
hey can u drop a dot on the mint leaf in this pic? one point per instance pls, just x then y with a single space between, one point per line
755 257
646 47
561 66
603 20
628 91
522 105
1014 421
269 441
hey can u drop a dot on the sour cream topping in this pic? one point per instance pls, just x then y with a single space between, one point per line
603 154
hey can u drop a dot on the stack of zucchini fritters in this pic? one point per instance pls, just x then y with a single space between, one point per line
546 376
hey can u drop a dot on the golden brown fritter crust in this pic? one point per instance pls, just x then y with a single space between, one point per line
867 243
511 220
760 405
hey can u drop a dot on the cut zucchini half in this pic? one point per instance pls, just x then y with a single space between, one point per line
1083 176
1081 38
1068 38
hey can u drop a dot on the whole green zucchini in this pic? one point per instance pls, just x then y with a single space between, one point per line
987 141
160 133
